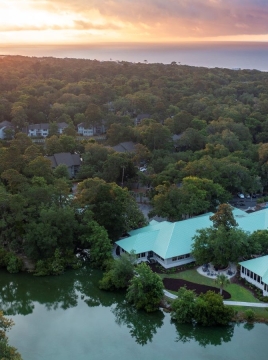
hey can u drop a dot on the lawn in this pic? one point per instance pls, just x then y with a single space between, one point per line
238 293
261 313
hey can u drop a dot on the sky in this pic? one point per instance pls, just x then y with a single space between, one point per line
154 21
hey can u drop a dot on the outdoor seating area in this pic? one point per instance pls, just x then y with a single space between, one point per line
209 270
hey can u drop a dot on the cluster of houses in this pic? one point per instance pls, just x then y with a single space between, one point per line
169 244
42 130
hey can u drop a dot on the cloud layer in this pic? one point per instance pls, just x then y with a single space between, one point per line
139 20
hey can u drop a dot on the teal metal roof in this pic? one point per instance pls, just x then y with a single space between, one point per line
259 266
174 239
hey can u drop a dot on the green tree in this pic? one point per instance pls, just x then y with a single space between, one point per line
210 310
61 171
259 242
224 217
7 352
183 307
118 133
146 289
93 115
40 167
53 129
21 141
219 246
154 135
53 145
68 143
54 227
120 273
222 280
97 241
110 205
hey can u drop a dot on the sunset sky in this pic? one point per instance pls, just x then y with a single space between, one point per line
93 21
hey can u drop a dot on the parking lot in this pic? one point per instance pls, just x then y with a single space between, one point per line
243 204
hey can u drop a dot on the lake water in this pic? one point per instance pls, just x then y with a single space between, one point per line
244 55
68 317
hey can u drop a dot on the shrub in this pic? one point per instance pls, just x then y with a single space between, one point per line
250 315
14 264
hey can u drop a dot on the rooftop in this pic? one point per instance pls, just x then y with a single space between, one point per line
173 239
259 266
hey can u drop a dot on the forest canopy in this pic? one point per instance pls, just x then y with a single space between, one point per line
200 135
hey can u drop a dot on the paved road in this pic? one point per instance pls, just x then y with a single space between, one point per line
240 303
233 303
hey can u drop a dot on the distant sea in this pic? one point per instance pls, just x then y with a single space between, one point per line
232 55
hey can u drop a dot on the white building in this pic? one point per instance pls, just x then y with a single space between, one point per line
85 130
42 130
255 271
3 127
170 244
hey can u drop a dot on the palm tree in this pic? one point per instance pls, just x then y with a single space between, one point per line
222 280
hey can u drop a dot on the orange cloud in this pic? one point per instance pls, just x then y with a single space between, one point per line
135 20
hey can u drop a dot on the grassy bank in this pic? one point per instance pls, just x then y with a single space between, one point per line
238 292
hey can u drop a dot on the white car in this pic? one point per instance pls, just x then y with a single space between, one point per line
143 169
241 196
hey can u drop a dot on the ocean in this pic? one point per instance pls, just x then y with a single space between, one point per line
232 55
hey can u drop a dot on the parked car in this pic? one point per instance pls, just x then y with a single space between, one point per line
241 195
247 196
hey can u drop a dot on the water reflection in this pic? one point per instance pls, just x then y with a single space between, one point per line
204 336
142 326
20 293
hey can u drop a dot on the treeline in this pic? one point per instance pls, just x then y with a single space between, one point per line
42 219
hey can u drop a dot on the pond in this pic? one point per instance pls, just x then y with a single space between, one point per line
68 317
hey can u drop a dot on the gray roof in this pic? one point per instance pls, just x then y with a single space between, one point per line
127 146
45 126
176 137
5 124
38 126
67 159
143 116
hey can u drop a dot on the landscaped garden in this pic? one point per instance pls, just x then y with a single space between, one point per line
236 290
180 277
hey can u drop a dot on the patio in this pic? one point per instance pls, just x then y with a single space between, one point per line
209 271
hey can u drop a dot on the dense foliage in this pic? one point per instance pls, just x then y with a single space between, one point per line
7 352
146 289
202 136
206 309
221 243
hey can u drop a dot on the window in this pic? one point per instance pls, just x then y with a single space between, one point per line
142 255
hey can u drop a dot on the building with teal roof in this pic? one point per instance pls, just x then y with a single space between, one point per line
255 271
170 243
